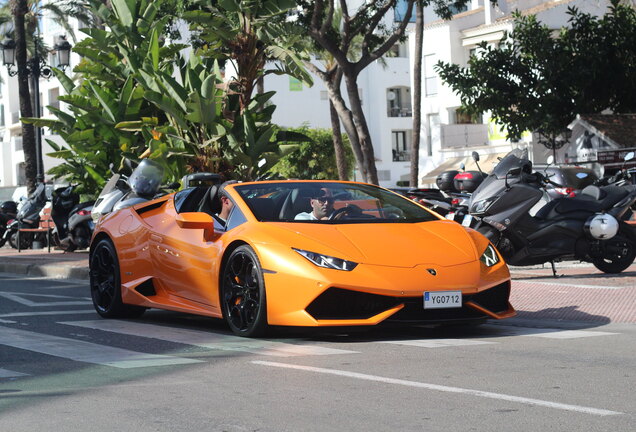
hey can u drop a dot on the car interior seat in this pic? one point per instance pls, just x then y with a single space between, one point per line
296 202
211 203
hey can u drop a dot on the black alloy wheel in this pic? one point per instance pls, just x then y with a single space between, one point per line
619 252
243 293
105 283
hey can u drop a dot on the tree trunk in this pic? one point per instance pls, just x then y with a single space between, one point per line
417 93
19 10
338 146
335 98
369 173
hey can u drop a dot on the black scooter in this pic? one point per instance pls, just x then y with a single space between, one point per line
589 227
28 217
73 223
8 212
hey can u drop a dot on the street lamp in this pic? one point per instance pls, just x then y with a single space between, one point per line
36 68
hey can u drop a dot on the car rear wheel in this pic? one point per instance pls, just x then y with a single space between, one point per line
105 282
243 293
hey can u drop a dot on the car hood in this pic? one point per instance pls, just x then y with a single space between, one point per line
443 243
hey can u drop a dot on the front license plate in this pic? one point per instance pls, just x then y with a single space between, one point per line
442 299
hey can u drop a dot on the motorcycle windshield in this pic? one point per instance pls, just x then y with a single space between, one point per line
496 180
110 185
517 158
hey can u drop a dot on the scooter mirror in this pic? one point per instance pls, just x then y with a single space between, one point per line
550 160
462 166
514 172
475 156
629 156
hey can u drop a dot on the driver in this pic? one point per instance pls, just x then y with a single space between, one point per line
321 204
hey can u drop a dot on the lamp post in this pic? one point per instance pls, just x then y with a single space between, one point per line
36 68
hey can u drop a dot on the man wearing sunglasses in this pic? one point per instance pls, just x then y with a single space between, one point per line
321 205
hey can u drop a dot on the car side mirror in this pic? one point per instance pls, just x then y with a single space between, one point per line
195 220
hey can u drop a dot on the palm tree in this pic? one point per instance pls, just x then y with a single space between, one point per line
26 15
417 93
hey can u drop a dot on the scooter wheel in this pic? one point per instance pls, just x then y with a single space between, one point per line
25 240
619 252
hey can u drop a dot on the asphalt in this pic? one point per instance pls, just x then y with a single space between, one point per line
579 293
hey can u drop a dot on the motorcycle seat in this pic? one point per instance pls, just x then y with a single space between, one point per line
592 199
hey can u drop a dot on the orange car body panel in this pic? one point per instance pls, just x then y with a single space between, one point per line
393 259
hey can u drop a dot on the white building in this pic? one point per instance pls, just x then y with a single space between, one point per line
447 137
12 172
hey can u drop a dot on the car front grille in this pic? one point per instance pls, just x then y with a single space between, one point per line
343 304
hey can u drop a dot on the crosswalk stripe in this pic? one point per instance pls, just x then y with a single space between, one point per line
438 343
207 339
6 373
84 351
551 333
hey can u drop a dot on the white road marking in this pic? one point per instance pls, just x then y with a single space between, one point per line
6 321
207 339
551 333
436 387
60 312
6 373
45 299
85 351
438 343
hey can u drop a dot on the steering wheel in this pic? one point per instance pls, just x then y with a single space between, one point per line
342 211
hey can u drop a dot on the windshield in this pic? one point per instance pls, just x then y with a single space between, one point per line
146 178
517 158
110 185
329 202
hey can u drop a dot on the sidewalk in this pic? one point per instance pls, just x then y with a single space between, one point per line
38 262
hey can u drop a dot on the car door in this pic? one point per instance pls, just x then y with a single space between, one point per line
185 261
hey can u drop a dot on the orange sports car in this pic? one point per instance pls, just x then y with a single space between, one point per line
295 253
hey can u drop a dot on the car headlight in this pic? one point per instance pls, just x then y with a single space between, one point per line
327 261
482 206
489 257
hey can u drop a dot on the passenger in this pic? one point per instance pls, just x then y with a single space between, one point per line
220 218
321 204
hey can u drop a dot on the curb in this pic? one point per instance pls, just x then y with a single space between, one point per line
46 270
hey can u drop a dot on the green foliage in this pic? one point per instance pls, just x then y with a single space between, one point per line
312 160
139 98
535 80
250 33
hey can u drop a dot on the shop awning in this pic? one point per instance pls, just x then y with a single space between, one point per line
449 164
487 163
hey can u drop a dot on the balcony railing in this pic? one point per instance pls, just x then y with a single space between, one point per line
463 135
401 156
399 112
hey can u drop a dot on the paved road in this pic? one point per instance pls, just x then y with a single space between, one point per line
63 368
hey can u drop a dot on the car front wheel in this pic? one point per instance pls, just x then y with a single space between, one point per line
243 293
